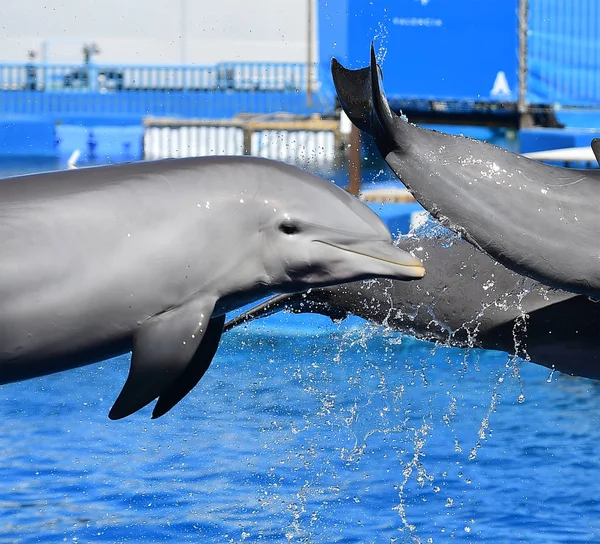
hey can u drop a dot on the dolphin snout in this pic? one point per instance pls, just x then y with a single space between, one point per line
386 260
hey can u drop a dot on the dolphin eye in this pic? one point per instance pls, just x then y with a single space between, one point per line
289 228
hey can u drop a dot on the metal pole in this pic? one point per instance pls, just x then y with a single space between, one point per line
182 30
523 32
247 131
354 161
309 58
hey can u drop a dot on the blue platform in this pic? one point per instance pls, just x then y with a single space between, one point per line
107 143
541 139
27 136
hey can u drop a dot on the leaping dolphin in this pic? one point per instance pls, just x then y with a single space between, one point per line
536 219
467 300
149 257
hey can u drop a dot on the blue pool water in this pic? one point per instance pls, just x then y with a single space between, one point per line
304 430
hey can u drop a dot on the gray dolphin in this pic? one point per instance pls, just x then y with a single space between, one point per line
467 300
538 220
149 257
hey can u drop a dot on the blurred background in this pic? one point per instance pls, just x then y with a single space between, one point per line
144 79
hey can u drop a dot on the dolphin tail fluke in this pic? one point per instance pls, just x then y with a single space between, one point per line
596 148
363 99
353 88
389 130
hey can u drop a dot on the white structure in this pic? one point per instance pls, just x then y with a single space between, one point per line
304 147
156 31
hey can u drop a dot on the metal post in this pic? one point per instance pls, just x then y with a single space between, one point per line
309 57
354 162
182 30
523 32
247 139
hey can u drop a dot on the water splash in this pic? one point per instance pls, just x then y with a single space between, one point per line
381 35
414 465
379 413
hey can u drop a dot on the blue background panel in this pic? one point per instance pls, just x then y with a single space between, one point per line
27 136
563 53
429 49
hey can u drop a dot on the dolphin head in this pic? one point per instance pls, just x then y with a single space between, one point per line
315 234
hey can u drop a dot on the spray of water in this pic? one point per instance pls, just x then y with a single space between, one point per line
380 37
382 411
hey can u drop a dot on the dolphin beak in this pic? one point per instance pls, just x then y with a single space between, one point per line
389 261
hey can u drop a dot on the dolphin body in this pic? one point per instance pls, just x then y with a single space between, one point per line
467 300
148 257
538 220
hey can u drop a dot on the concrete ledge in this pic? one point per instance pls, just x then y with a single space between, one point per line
386 195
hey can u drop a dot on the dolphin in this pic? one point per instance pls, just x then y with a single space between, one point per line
149 257
536 219
466 300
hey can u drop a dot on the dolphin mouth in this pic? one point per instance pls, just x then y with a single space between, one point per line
409 267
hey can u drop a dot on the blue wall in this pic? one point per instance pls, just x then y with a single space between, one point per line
69 106
564 52
100 143
455 49
435 49
333 39
27 136
24 136
108 125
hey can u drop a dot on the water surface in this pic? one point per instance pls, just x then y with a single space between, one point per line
307 431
